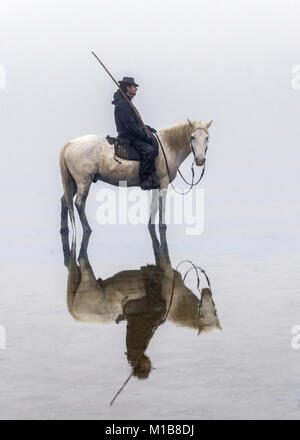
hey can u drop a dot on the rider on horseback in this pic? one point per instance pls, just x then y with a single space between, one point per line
130 129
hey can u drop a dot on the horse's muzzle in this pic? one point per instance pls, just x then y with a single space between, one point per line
200 161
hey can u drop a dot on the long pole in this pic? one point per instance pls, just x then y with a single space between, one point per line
128 100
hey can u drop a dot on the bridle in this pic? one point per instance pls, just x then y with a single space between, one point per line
191 141
192 167
191 184
196 268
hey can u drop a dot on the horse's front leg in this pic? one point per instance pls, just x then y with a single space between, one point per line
151 226
162 209
165 259
153 209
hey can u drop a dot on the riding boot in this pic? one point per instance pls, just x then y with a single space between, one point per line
147 183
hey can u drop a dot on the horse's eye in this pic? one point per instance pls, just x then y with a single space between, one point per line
193 138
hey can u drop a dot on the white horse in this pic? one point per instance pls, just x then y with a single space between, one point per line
88 156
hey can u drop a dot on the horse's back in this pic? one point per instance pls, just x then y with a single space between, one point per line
89 141
85 152
91 155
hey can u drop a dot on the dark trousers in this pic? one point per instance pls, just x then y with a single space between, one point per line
147 158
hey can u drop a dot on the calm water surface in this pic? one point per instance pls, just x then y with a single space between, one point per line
57 367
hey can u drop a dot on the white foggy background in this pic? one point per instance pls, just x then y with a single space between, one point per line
227 61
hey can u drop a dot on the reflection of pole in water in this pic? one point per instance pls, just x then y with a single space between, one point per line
208 318
144 316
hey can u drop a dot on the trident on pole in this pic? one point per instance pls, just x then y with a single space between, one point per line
118 85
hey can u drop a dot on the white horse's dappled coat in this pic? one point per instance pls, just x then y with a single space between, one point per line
83 158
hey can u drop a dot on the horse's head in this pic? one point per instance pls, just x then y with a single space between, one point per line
208 318
199 138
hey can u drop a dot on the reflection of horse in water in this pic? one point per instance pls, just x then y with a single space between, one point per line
141 297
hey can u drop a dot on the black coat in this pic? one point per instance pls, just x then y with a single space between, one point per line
127 123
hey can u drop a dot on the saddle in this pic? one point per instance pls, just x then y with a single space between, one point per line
125 149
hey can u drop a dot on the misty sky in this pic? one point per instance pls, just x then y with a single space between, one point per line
227 61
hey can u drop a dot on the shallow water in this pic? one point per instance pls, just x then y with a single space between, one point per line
56 368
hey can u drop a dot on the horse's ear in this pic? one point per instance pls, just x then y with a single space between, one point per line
209 124
191 125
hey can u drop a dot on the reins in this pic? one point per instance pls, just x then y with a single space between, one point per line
196 268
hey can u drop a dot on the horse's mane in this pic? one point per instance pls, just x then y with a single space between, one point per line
178 135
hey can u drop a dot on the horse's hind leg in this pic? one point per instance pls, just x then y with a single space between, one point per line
65 243
64 216
82 193
64 229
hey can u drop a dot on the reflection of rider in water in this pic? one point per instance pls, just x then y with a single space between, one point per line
143 316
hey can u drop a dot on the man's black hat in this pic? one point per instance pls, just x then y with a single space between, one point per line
129 81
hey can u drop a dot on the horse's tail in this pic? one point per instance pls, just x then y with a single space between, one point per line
69 184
